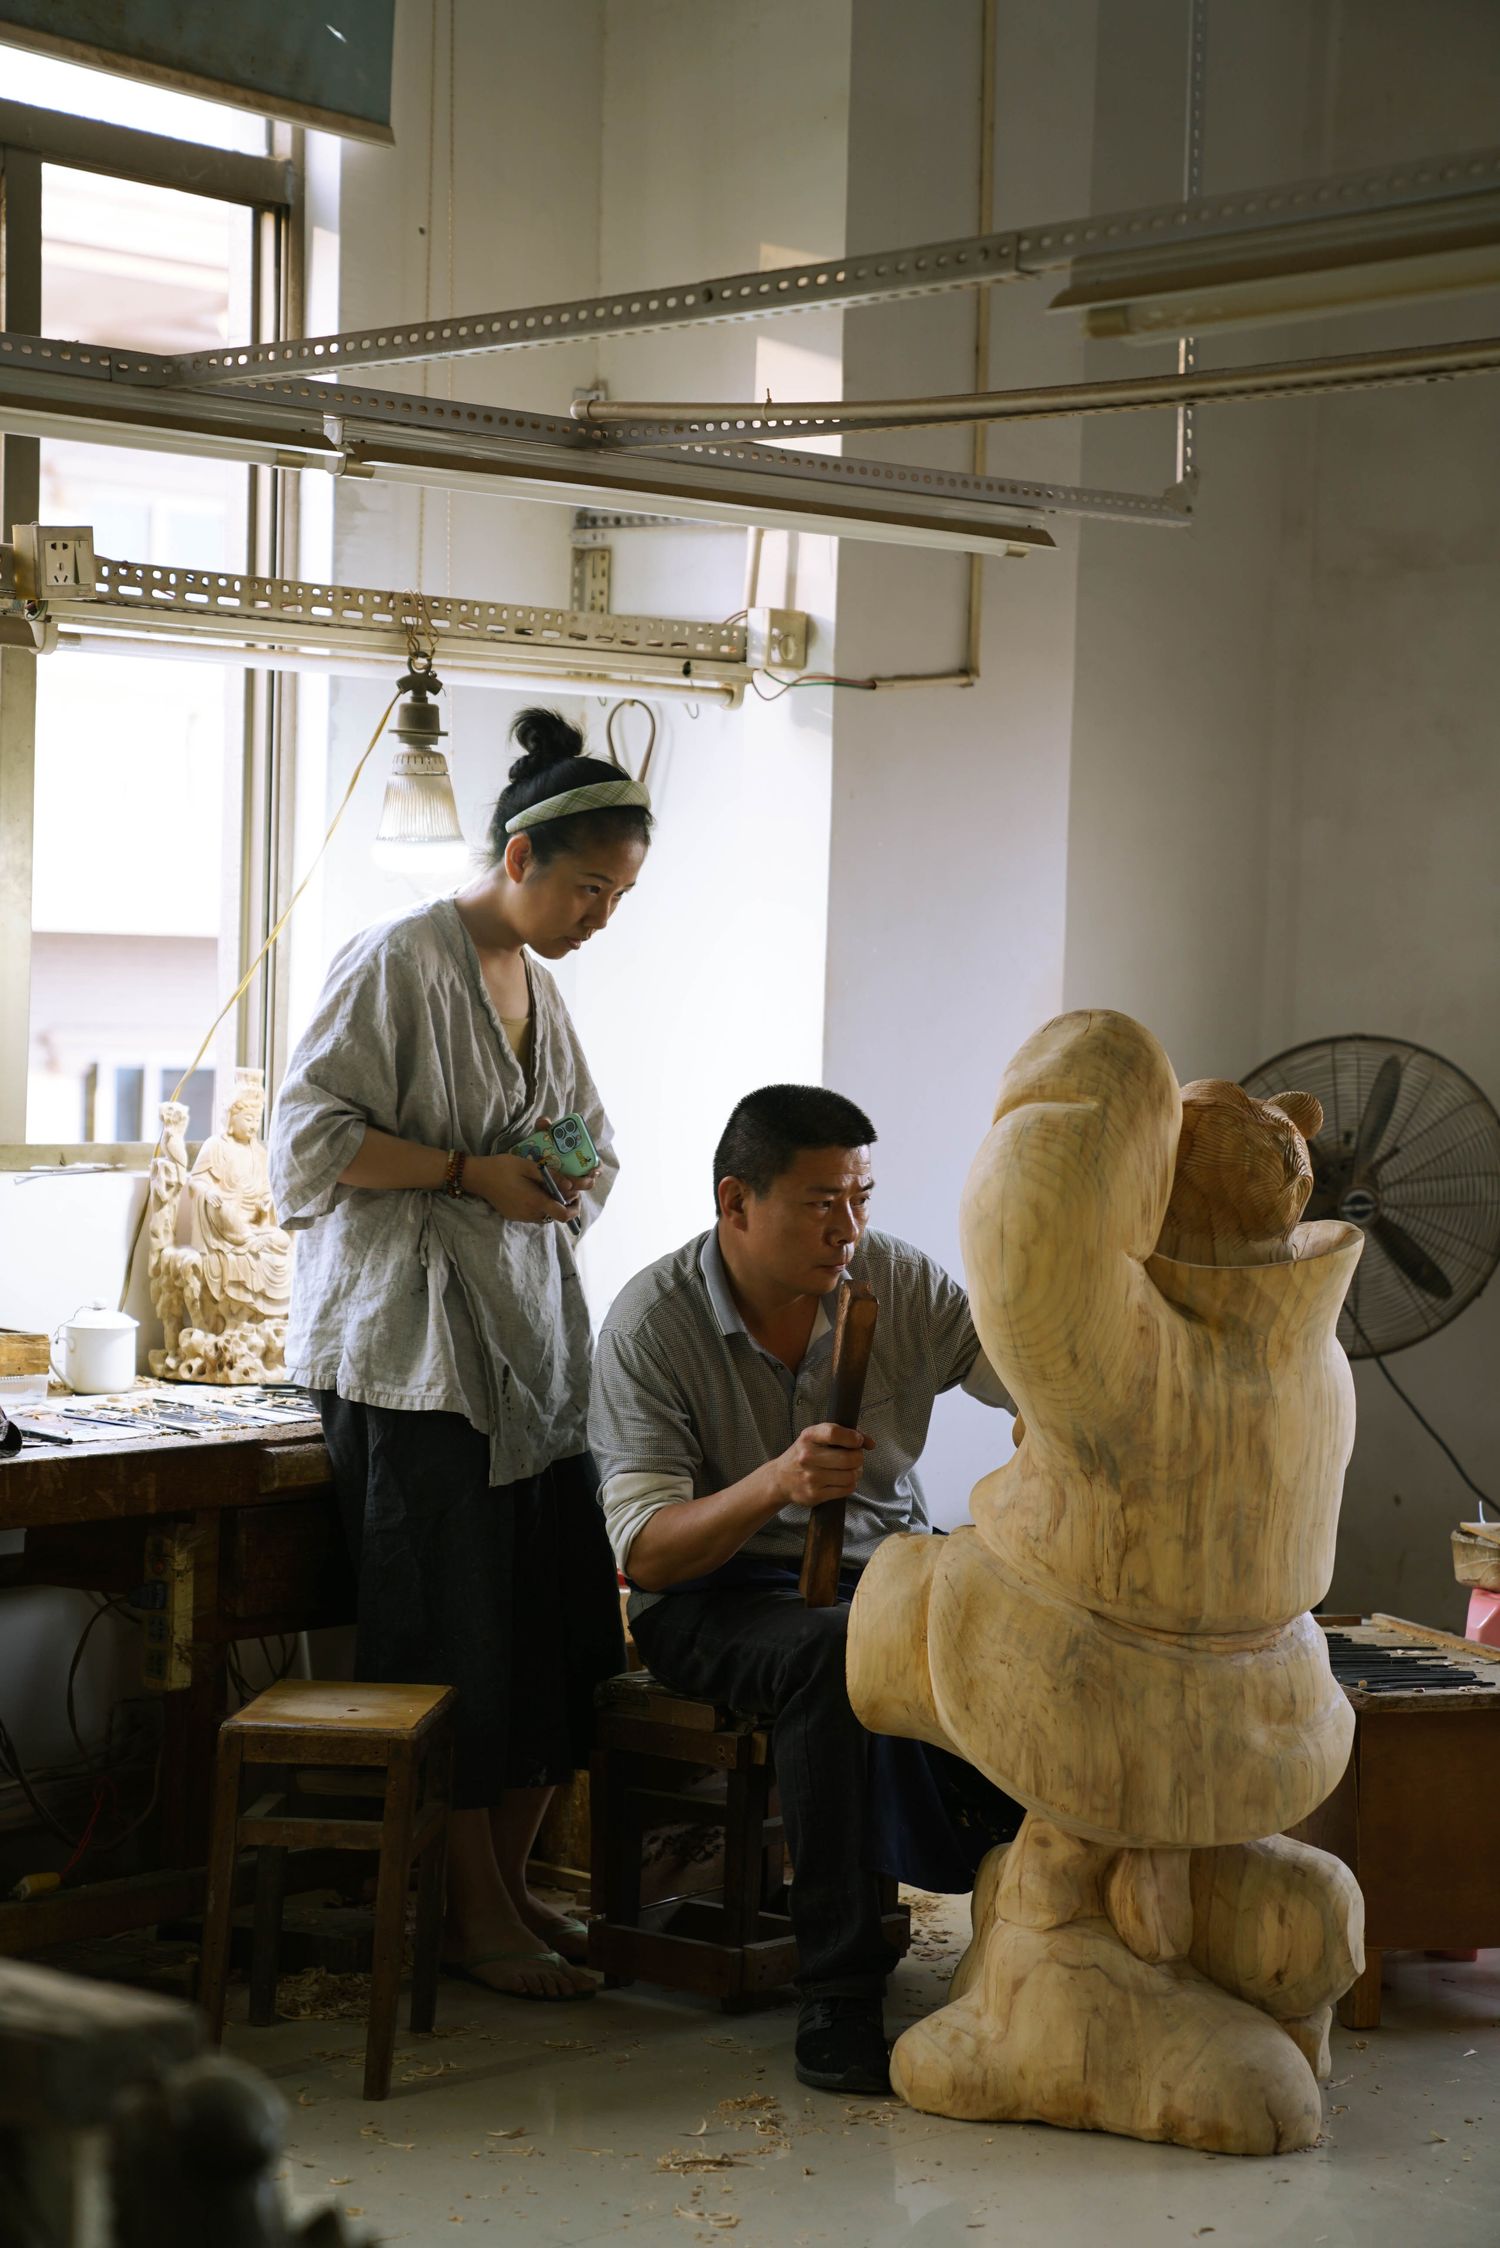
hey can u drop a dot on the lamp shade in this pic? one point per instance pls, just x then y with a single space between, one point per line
419 827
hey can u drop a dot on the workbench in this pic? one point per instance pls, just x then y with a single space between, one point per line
238 1536
1416 1816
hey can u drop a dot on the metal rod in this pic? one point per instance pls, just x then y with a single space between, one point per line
50 388
867 278
689 425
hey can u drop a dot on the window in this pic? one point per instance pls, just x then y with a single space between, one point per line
148 771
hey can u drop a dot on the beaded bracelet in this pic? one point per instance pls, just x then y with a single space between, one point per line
453 1176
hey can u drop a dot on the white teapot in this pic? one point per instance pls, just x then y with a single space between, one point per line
98 1349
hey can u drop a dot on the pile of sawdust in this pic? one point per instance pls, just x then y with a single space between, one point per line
676 2158
318 1995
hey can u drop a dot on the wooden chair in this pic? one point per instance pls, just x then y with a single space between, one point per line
394 1741
736 1946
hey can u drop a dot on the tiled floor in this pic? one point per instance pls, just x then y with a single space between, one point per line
638 2115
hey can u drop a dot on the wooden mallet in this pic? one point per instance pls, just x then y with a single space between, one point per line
853 1340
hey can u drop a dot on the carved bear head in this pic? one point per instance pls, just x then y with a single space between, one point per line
1243 1174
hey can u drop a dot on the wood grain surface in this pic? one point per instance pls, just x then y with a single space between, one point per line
1122 1641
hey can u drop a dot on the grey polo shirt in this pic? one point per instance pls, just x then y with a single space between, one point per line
685 1402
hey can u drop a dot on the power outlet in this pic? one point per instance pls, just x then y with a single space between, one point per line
54 562
776 639
67 559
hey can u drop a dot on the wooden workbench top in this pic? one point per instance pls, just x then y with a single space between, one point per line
127 1476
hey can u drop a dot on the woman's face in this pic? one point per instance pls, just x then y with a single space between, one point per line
556 908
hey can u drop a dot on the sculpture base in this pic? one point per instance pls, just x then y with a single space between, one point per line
1176 1995
238 1358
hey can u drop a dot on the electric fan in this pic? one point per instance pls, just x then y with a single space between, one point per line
1410 1153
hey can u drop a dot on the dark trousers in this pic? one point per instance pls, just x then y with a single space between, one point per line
507 1592
758 1648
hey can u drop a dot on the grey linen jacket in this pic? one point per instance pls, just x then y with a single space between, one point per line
424 1301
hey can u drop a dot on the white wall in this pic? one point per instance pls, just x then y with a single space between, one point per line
1383 913
710 982
1283 779
948 888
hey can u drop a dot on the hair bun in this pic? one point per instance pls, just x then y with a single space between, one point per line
546 739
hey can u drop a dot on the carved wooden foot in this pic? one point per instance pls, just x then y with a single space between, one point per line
1135 1992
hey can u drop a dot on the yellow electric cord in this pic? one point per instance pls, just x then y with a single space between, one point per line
248 977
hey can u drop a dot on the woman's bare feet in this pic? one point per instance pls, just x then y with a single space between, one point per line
563 1930
486 1936
508 1956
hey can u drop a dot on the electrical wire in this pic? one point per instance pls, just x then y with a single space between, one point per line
105 1607
248 977
82 1844
811 679
616 752
1415 1410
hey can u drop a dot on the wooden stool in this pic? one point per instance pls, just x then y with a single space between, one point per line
740 1946
404 1731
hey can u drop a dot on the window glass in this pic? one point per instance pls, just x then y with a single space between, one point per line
115 100
135 837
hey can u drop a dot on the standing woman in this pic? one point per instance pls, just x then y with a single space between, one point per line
438 1314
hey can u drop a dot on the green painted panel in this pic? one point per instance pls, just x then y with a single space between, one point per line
327 63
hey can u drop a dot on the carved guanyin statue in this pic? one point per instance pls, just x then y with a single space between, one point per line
1122 1639
221 1266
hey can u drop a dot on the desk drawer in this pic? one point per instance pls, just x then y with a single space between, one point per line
284 1567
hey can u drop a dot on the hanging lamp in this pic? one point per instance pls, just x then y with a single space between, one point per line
419 831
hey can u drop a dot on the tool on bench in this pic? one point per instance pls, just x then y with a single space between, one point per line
853 1340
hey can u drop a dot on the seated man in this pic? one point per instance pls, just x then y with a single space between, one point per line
708 1425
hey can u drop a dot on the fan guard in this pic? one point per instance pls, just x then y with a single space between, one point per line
1410 1153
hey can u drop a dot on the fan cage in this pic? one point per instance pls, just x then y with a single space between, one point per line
1424 1189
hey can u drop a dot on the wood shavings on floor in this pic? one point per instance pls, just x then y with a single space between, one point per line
707 2133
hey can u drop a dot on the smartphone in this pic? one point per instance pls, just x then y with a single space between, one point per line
568 1148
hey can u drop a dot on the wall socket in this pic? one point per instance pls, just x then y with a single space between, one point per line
53 562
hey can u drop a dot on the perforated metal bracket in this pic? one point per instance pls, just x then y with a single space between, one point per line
776 639
232 609
457 444
590 571
864 278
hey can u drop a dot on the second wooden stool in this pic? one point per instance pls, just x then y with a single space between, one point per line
738 1947
305 1725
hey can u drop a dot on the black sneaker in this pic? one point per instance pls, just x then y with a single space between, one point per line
841 2045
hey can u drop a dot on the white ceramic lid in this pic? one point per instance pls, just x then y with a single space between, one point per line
99 1315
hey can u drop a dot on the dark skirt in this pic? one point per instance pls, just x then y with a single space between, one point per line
506 1592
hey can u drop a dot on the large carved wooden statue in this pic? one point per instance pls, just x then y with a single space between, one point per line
1122 1639
221 1266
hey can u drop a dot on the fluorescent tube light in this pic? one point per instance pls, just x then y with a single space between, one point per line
348 663
1304 270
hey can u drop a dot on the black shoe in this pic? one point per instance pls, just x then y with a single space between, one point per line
841 2045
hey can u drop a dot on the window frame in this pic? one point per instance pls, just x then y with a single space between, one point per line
270 187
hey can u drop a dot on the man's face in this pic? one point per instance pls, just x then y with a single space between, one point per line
802 1232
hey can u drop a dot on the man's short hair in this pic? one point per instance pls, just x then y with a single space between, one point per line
768 1130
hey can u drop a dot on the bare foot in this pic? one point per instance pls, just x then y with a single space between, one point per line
507 1957
562 1930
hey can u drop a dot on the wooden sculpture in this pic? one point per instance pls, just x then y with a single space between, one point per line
220 1265
1122 1639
